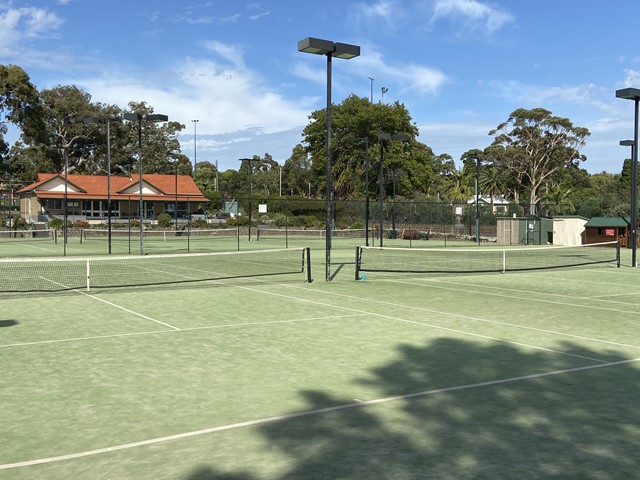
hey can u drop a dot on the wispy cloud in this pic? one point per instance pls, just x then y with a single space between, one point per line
473 14
387 14
232 54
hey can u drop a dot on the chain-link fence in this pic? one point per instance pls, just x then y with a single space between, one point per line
510 223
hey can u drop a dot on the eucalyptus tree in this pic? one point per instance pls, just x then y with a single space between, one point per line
297 175
19 104
63 110
537 145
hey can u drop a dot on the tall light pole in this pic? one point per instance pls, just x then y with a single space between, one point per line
633 94
371 96
477 199
249 168
383 90
382 138
195 147
366 189
176 199
65 201
339 50
106 121
634 196
139 117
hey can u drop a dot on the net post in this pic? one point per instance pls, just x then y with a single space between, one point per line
618 254
358 255
55 236
88 276
307 254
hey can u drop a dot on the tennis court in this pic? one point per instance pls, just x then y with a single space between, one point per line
527 375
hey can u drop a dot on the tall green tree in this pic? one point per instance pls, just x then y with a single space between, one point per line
297 175
536 145
353 120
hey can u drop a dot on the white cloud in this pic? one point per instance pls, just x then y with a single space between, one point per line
383 13
20 23
231 53
473 13
632 78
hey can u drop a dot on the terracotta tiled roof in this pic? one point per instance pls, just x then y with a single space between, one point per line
95 187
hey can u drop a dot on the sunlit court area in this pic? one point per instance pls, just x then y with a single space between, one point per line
530 373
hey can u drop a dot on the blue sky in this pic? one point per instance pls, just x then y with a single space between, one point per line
460 66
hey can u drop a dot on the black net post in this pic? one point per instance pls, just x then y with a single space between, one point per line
358 255
307 255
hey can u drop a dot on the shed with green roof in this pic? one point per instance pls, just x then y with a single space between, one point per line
607 229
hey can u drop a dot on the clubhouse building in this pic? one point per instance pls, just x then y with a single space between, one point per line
87 197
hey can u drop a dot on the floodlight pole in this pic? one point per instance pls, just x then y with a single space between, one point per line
249 160
634 191
382 137
195 149
330 49
66 201
366 189
633 94
477 200
106 121
138 117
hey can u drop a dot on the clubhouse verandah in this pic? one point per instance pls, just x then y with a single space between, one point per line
87 197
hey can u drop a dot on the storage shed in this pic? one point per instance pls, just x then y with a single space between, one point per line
569 230
607 229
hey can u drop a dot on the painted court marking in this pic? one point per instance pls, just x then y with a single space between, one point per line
477 319
154 332
113 305
318 411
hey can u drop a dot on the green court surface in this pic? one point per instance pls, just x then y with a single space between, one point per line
523 375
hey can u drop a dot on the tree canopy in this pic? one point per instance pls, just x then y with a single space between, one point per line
533 159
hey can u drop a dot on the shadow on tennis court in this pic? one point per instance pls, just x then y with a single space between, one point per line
463 410
8 323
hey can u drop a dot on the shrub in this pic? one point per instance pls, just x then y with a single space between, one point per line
19 223
201 223
164 220
56 223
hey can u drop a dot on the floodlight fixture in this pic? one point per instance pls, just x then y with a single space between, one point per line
633 94
330 49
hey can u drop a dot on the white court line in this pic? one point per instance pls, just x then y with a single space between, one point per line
112 304
466 317
205 327
489 287
317 411
415 322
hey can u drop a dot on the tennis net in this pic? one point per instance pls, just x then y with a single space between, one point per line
482 260
9 236
95 234
72 273
264 233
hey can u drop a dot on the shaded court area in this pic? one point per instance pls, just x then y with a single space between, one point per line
517 375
